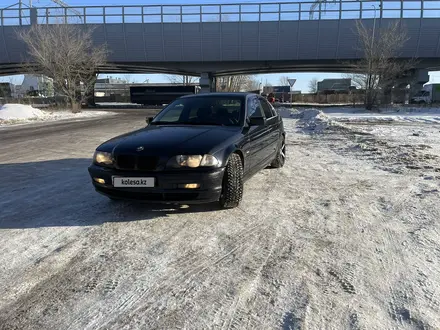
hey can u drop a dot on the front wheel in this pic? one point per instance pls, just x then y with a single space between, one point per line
281 155
232 191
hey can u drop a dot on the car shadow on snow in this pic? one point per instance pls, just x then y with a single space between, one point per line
60 193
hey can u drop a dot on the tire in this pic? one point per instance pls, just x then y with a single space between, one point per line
280 158
232 191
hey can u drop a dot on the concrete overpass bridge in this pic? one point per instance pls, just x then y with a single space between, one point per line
215 40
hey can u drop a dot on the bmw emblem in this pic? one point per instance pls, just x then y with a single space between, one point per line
140 148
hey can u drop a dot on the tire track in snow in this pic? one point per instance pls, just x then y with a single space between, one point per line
222 306
344 280
183 279
179 286
141 288
247 290
400 310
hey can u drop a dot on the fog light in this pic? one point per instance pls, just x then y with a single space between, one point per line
99 180
189 185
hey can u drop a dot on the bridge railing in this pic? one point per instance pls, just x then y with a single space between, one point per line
286 11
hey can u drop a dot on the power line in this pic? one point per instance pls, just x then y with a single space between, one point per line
65 5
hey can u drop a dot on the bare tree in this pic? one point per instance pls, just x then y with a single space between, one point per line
252 84
284 81
313 85
378 71
66 54
182 80
129 79
236 83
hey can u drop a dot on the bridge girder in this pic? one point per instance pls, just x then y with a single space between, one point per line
226 68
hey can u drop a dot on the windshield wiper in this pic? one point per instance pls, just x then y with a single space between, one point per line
165 123
201 123
186 123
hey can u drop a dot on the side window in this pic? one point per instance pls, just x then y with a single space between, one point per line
274 112
173 114
266 108
192 113
254 108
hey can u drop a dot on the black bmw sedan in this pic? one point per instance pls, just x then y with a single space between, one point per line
198 149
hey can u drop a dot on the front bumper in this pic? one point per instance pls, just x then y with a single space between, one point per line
166 188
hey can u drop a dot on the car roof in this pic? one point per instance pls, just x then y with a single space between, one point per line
210 94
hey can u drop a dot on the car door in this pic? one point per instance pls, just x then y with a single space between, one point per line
273 133
257 136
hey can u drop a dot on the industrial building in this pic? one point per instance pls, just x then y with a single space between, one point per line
334 85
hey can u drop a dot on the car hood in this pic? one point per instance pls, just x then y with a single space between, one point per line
172 140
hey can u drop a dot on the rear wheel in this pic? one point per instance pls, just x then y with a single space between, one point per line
281 155
232 191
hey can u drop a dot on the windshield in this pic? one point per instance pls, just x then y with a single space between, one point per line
210 110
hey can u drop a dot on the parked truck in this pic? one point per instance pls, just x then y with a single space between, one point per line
430 93
159 94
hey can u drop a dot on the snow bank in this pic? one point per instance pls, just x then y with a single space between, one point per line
314 120
11 114
392 114
318 120
287 112
19 111
309 119
375 119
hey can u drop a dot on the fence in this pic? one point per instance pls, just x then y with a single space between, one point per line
286 11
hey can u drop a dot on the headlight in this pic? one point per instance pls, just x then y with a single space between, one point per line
189 161
103 158
209 160
193 161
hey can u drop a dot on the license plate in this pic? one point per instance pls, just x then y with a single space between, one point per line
134 182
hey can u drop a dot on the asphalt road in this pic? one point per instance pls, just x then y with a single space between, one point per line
21 133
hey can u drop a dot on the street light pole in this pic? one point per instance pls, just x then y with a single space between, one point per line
19 10
374 27
371 55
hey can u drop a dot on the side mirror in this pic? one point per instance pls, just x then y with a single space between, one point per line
257 121
149 120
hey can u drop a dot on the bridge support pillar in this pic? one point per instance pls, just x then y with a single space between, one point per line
207 82
418 79
409 84
34 17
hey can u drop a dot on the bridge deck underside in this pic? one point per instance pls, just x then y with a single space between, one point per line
227 68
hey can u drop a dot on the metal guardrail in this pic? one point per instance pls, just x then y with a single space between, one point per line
286 11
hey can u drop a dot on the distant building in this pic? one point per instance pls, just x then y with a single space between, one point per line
334 85
35 85
281 92
111 87
111 80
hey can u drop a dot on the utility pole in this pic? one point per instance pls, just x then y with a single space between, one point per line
371 55
20 4
374 27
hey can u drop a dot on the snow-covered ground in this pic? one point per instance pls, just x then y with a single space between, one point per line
13 114
311 104
406 114
352 115
344 236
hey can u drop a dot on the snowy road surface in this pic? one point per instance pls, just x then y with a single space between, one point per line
345 236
